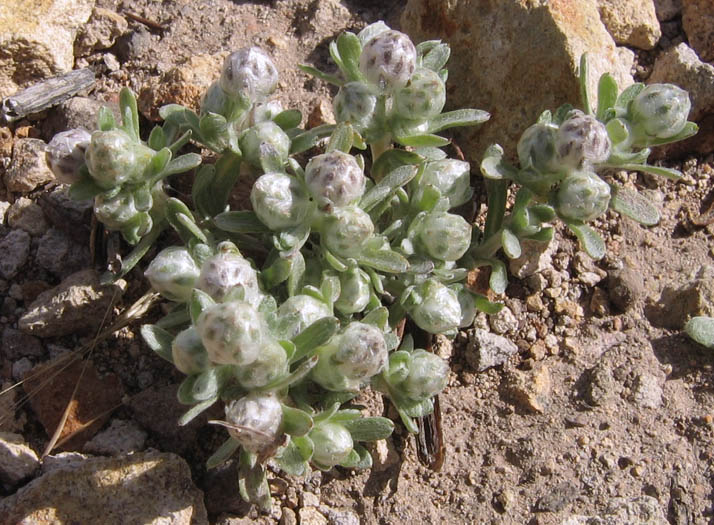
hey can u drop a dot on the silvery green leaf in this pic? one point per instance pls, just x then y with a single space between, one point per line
341 139
253 486
456 118
158 164
617 130
543 235
622 105
85 188
633 205
386 187
701 329
277 272
584 89
494 167
436 57
337 59
214 131
288 119
223 454
227 171
690 129
201 193
378 317
129 113
542 212
350 49
417 408
157 138
200 300
428 153
206 385
242 221
484 305
511 245
293 238
590 240
330 79
159 340
408 421
332 406
370 428
330 287
618 158
606 95
182 164
498 279
669 173
384 261
195 411
334 261
297 272
303 141
497 191
291 460
315 335
562 113
296 422
424 140
181 218
393 159
352 460
545 118
105 119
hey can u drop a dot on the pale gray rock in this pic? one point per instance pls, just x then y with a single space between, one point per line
678 303
79 112
647 391
37 39
486 350
59 254
149 488
77 305
698 24
643 510
601 387
631 22
28 169
120 438
14 247
504 322
535 257
4 206
100 32
17 460
27 215
67 214
339 516
496 45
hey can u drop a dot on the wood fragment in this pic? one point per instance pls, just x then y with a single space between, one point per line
146 21
45 94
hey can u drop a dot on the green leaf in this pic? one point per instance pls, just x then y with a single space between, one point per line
370 428
297 273
511 245
182 164
457 118
543 235
278 272
223 454
622 106
378 317
701 330
542 212
330 287
590 240
365 458
129 113
253 486
157 139
606 95
214 131
350 49
418 141
494 167
105 119
84 189
240 222
669 173
437 57
314 72
201 191
497 191
351 461
296 422
372 30
159 340
158 164
393 159
633 205
291 460
690 129
384 261
482 304
584 90
227 172
342 138
387 186
561 113
314 336
303 142
196 411
200 300
498 281
288 119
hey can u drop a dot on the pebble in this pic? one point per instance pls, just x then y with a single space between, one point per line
100 32
535 257
15 248
530 390
4 206
60 255
599 303
121 437
28 169
16 344
311 516
486 350
504 322
667 9
27 215
625 286
20 368
647 391
678 303
557 498
601 387
17 460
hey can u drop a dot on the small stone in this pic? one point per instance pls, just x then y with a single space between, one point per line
120 438
100 32
135 45
59 254
321 114
20 368
625 286
66 214
311 516
631 22
340 516
4 206
128 489
601 387
678 303
567 307
534 303
28 169
16 344
79 112
647 391
78 304
17 460
27 215
589 278
308 499
599 303
486 350
530 390
288 517
535 257
698 24
111 62
537 282
537 350
504 322
384 455
557 498
667 9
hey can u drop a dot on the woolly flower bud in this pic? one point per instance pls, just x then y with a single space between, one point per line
346 230
279 200
264 111
232 333
356 103
660 111
114 158
438 309
445 236
350 359
265 138
249 73
225 271
188 353
388 60
335 178
451 177
173 273
428 375
333 444
536 148
271 364
582 139
354 291
65 154
258 418
299 312
582 196
423 97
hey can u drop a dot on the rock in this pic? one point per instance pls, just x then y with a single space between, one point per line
667 9
151 488
9 422
486 350
59 254
77 305
4 206
631 22
100 32
17 460
69 215
677 304
601 388
52 387
121 437
491 37
529 390
135 45
557 498
647 391
288 517
27 215
15 345
78 112
311 516
20 368
339 517
220 488
184 84
698 24
321 113
28 169
504 322
625 286
384 454
36 39
535 257
643 510
14 247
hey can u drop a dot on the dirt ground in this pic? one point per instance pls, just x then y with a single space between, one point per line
598 404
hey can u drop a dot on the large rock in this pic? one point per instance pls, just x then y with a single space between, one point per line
77 304
631 22
100 32
151 488
14 247
37 38
28 168
698 23
17 460
515 58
